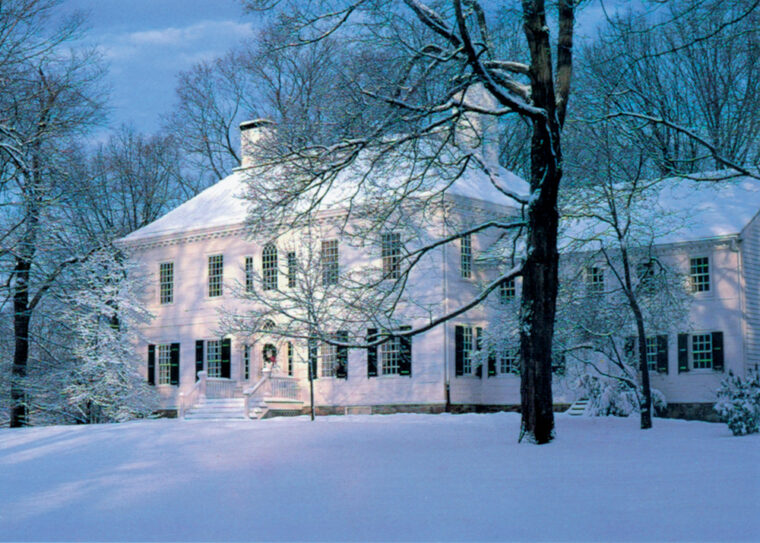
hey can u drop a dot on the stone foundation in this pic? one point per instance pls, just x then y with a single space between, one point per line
691 411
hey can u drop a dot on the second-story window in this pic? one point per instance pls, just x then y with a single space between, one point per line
215 275
269 266
391 253
594 280
700 274
292 269
249 274
465 255
166 282
507 291
330 259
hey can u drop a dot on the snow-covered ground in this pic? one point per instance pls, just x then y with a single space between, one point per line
396 477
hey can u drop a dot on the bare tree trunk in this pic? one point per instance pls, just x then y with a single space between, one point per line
21 319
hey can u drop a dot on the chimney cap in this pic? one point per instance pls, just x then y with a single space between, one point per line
255 123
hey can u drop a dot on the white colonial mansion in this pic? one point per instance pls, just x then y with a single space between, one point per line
200 256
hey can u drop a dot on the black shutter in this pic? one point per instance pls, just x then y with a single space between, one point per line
683 353
405 354
478 344
225 362
313 351
662 354
371 353
717 351
198 357
174 361
629 348
341 370
491 362
459 350
151 364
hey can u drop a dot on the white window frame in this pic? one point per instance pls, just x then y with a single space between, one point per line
390 356
166 285
465 256
269 271
507 291
330 259
328 359
390 251
652 350
213 365
699 274
292 269
508 361
468 348
164 364
594 279
215 283
248 268
701 351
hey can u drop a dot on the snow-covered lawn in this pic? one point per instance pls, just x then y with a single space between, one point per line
396 477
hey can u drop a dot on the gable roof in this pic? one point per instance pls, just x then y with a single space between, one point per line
224 204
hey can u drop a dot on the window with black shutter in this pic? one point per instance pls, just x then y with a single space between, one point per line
174 368
198 357
683 353
405 353
224 368
341 358
458 350
151 364
478 345
371 353
717 351
662 354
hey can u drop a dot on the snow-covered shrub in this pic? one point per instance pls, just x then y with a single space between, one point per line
739 403
612 397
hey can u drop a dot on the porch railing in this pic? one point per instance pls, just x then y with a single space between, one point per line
283 388
218 388
191 398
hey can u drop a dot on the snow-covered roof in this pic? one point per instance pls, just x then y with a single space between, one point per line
678 210
674 210
223 204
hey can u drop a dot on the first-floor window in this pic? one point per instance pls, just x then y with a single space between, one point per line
390 353
509 361
163 364
214 358
701 351
335 357
464 346
652 353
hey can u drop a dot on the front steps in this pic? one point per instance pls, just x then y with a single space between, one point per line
578 408
218 409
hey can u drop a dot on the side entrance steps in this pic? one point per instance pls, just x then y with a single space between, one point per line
217 409
578 409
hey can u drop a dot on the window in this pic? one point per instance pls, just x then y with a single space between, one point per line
465 260
701 351
594 280
335 357
166 282
700 274
507 291
269 267
509 361
706 351
652 352
390 352
645 273
292 269
290 359
215 275
163 364
329 262
463 346
391 253
214 358
246 362
249 274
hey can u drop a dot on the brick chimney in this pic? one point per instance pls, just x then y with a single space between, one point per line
253 134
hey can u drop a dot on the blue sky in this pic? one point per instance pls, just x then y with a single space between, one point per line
148 42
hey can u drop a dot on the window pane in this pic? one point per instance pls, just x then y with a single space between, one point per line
329 356
390 356
249 274
467 347
466 255
329 262
701 351
164 365
652 353
507 291
215 275
391 253
269 267
700 274
509 361
166 282
214 358
292 268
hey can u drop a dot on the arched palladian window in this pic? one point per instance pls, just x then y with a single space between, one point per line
269 266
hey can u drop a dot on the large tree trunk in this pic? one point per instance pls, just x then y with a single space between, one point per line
21 319
540 280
